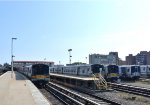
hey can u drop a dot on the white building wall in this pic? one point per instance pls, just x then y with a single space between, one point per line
102 59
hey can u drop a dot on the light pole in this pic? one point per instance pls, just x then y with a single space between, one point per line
86 60
69 50
12 56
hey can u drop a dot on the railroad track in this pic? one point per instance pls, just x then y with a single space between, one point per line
69 97
131 89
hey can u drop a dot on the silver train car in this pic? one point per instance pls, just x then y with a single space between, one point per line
145 71
80 70
109 72
37 73
129 72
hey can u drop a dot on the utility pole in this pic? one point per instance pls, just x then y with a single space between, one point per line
12 68
69 50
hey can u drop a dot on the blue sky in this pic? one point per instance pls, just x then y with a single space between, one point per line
47 29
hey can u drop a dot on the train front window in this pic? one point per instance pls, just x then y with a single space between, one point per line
96 68
40 69
135 69
123 69
113 69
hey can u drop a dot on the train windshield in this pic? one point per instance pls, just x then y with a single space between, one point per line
135 69
96 68
113 69
40 69
123 69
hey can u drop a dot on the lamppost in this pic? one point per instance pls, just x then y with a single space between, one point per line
12 56
69 50
86 60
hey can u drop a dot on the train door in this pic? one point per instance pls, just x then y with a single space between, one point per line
123 72
148 72
78 70
129 71
62 70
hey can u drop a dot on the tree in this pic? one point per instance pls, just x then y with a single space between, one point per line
6 64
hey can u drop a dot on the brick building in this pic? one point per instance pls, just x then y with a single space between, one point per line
130 60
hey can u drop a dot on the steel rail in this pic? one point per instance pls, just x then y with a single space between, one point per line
131 89
75 96
107 101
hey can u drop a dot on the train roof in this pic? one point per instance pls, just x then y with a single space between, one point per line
129 65
82 65
35 65
33 61
144 65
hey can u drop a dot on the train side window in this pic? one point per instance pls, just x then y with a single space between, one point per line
82 71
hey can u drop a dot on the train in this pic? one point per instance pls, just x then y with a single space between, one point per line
128 72
37 73
109 72
79 70
145 71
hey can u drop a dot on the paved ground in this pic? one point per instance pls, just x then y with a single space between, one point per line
18 91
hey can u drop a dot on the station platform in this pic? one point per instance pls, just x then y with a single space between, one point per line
18 90
84 78
73 81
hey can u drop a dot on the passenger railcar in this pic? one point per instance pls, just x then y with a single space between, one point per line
148 71
81 70
37 73
111 72
129 72
145 71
